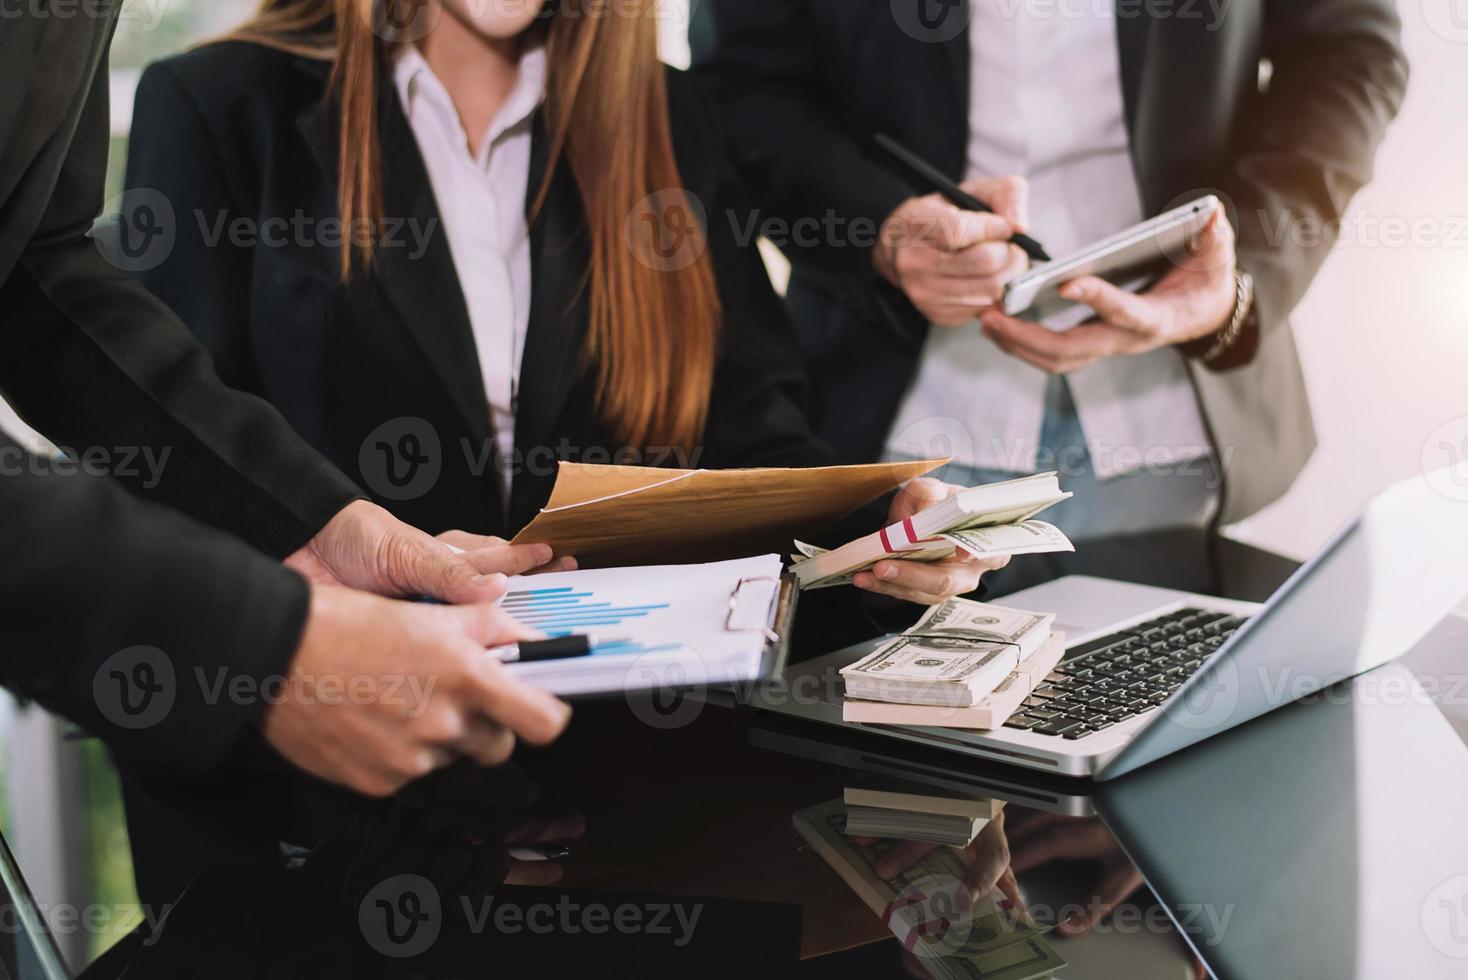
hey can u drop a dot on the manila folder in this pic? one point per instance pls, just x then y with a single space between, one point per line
636 515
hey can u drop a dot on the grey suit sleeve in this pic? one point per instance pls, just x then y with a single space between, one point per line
1304 147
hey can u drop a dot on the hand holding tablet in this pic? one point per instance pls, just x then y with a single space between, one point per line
1130 258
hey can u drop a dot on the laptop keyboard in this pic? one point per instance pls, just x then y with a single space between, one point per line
1113 678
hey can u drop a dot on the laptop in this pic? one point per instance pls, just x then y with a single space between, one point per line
1169 669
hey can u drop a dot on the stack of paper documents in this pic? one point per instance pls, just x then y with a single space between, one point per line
987 522
963 665
656 627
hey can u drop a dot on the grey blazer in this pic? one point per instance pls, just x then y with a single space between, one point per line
805 84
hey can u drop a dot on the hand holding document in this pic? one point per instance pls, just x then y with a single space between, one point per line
987 522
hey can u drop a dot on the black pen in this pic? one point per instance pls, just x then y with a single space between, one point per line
956 195
558 648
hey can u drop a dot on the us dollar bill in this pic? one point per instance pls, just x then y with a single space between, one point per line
921 905
984 621
1028 538
956 654
1025 538
926 660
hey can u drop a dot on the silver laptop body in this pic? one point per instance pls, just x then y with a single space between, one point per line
1371 594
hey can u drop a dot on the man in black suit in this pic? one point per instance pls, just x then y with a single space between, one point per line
162 632
1114 111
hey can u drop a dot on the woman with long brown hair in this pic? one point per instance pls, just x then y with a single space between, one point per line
457 241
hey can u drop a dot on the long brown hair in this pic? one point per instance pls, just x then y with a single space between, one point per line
655 326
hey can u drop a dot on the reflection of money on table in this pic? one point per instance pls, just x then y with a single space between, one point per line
920 904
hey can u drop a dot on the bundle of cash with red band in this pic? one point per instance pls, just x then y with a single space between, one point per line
987 522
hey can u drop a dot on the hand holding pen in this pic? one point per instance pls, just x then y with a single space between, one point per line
953 260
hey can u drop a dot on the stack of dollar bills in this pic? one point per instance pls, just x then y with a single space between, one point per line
964 664
990 521
921 904
884 808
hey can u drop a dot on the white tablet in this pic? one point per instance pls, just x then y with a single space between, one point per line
1130 259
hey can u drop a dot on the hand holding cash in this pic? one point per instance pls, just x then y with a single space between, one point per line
984 525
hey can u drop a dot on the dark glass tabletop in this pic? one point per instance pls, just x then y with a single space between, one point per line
678 837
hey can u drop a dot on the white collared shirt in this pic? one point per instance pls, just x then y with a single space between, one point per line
481 193
1047 103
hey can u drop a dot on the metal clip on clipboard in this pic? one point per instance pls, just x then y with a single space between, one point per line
774 620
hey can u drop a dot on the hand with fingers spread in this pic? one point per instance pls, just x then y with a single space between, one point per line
954 264
1194 300
383 692
1045 837
364 547
926 583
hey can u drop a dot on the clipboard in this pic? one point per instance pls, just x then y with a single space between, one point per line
779 629
673 632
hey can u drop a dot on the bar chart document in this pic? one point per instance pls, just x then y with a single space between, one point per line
652 627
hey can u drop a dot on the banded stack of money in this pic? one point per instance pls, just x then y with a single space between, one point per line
987 522
990 713
920 904
881 807
955 656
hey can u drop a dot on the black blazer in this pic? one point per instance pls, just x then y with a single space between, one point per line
238 131
805 84
88 357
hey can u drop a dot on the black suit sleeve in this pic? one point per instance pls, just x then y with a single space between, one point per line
757 409
764 59
93 360
145 628
1305 146
205 278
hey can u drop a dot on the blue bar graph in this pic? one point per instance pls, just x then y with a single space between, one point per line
563 611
